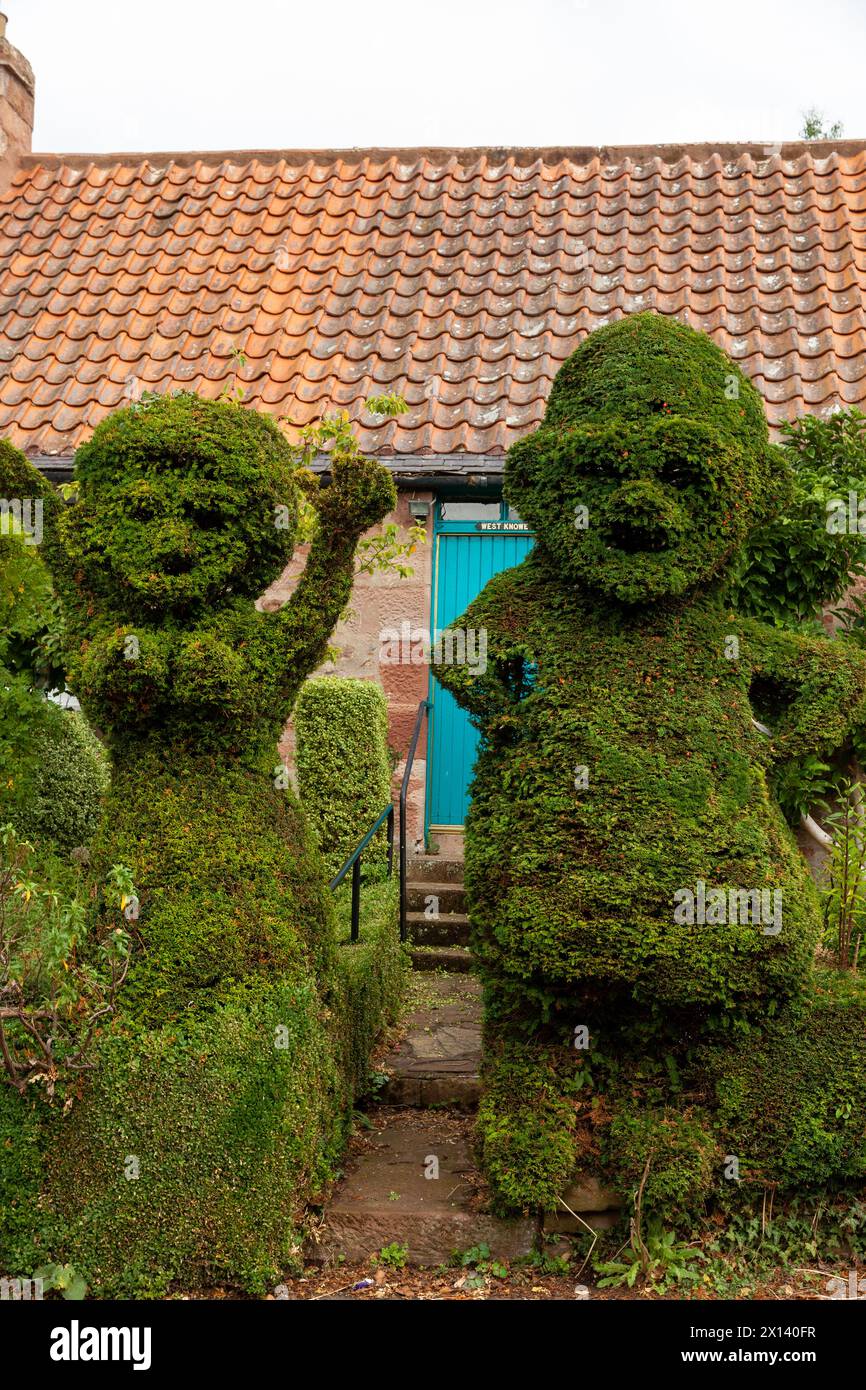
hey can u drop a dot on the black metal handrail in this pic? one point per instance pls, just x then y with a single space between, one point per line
423 708
354 863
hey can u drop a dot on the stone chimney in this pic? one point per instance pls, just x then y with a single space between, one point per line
16 106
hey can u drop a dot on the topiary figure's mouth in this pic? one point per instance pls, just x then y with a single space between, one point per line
638 538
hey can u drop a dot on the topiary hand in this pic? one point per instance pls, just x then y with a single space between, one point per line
361 493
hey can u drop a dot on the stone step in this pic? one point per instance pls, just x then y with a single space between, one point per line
442 898
438 1059
450 929
431 868
585 1202
440 958
414 1184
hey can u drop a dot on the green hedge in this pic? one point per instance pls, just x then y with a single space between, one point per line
371 978
68 781
344 771
792 1099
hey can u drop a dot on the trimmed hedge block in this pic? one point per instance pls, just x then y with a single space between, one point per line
71 775
344 770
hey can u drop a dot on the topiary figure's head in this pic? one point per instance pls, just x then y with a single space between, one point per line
651 466
183 504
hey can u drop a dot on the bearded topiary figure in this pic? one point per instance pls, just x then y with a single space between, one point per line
222 1090
629 876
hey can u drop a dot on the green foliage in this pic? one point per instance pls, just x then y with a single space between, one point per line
63 1279
56 988
660 438
192 1151
386 553
815 126
392 1256
545 1263
68 779
572 890
800 784
182 503
803 559
236 1118
344 770
620 767
335 436
29 625
791 1100
371 978
843 876
661 1263
666 1158
230 883
526 1124
480 1266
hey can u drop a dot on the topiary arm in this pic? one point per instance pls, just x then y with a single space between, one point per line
811 691
361 493
481 657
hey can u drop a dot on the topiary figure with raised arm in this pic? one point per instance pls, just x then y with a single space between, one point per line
620 796
222 1093
186 511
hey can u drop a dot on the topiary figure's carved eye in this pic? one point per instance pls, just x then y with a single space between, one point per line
206 519
144 508
681 473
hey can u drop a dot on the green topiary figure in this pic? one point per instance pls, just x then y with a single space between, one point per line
186 510
627 870
222 1092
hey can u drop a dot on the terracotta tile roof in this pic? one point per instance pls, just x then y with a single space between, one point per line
461 279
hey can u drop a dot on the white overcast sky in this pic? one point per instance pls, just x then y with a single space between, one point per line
276 74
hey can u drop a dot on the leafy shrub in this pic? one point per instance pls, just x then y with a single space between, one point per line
371 976
842 881
344 771
56 988
28 626
67 784
526 1125
793 566
791 1099
666 1157
231 1120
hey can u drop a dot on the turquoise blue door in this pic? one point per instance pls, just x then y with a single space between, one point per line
469 548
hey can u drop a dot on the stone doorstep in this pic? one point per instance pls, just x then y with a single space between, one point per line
387 1199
